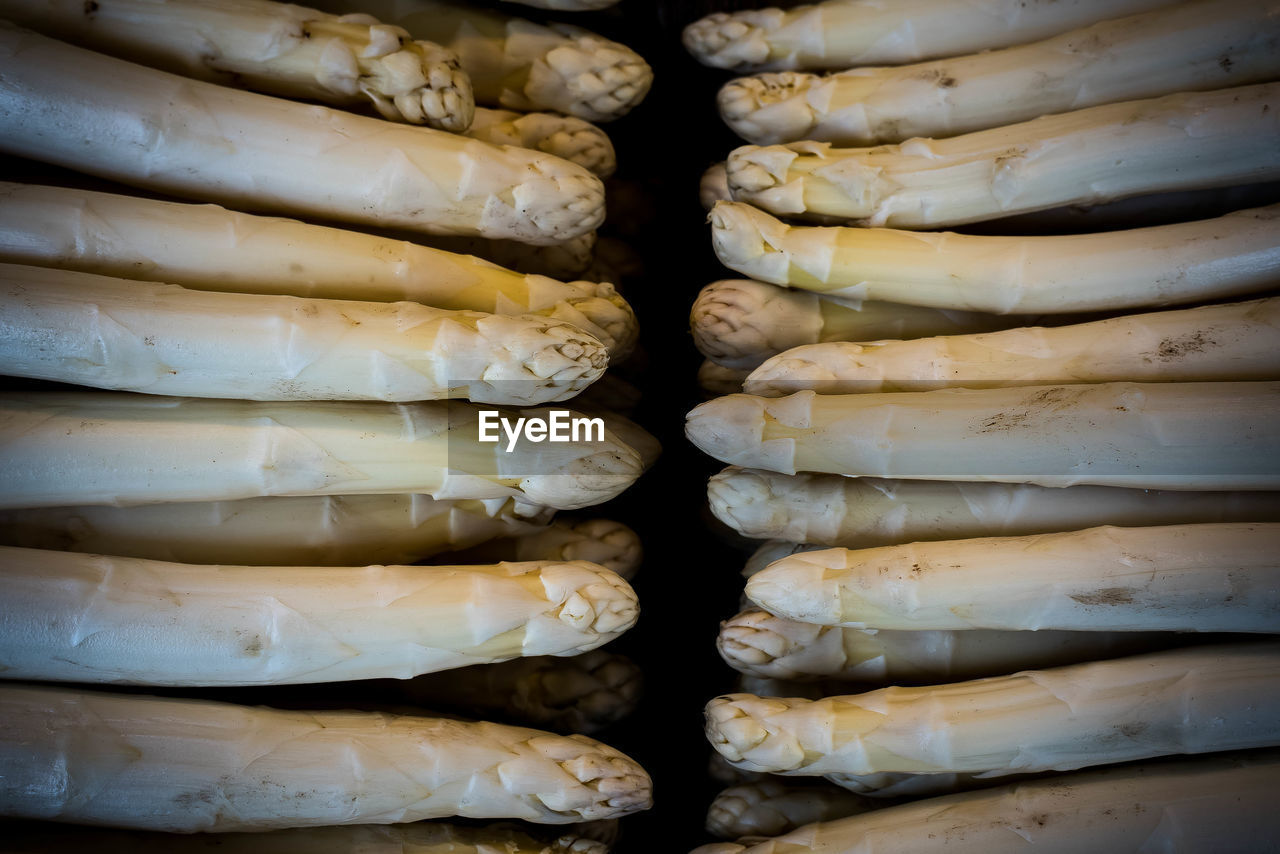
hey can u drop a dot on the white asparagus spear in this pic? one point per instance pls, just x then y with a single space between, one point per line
1207 804
1195 700
838 34
1185 141
86 111
601 541
111 333
1234 254
1215 435
207 247
1214 577
758 643
307 530
271 47
1234 341
184 765
423 837
1195 46
863 512
775 806
519 65
93 618
59 449
739 323
570 138
578 693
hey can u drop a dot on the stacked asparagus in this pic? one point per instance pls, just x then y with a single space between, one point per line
1026 520
290 417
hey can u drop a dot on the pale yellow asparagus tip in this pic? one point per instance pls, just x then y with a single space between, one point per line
753 641
590 77
412 81
743 499
568 137
752 242
739 323
769 108
802 581
732 40
736 728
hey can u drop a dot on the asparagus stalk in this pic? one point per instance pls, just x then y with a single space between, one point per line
771 807
1235 341
567 137
86 111
838 34
419 837
1209 804
601 541
59 449
863 512
1195 700
1196 46
1139 435
1210 577
519 65
207 247
91 618
579 693
1161 265
182 765
312 530
758 643
272 47
738 323
1179 142
113 333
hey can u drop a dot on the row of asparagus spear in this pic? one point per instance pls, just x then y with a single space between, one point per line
277 478
1002 479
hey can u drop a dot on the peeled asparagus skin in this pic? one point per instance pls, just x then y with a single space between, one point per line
839 34
1208 44
738 323
1133 268
577 693
59 449
309 530
255 152
1207 804
1195 700
114 333
1233 341
1185 141
1215 577
758 643
272 47
773 806
568 137
862 512
91 618
1223 435
207 247
418 837
519 65
188 766
601 541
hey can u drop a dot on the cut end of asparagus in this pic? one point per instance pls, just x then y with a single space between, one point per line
737 727
587 76
769 108
739 323
748 240
714 186
732 40
754 641
610 784
407 81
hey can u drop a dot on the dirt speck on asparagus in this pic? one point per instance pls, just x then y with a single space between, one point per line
1171 349
1105 596
1042 402
1225 63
